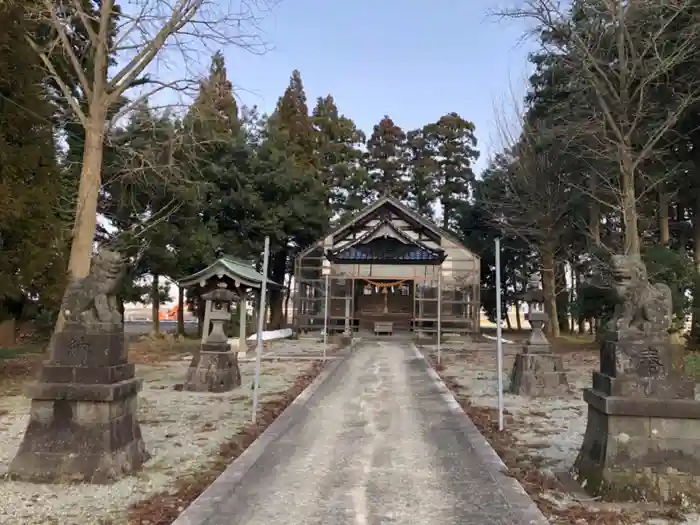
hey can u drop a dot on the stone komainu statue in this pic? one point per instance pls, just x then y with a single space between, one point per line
92 301
642 306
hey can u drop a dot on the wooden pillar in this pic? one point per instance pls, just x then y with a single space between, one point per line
242 317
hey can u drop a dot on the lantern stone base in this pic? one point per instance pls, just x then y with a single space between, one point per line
213 371
538 374
640 449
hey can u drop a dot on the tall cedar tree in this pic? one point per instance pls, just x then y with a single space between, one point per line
220 160
31 235
340 157
215 219
453 144
422 169
386 161
293 198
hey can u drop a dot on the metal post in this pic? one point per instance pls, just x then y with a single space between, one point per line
261 320
439 318
499 338
325 318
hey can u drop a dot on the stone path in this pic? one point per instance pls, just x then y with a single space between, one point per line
377 445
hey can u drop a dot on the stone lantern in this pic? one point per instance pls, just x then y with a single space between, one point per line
214 368
537 371
536 316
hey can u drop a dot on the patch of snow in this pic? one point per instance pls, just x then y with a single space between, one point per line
268 335
507 341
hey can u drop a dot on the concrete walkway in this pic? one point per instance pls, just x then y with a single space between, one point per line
377 444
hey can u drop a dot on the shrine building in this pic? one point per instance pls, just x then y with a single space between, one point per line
391 270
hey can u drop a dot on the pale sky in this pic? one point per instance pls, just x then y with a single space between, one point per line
413 60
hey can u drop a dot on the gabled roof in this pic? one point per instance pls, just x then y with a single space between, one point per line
413 249
229 267
423 221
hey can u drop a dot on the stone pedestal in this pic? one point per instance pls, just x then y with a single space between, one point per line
538 374
83 422
536 370
642 439
213 369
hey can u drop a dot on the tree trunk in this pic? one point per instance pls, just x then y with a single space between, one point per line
682 232
507 319
664 228
695 322
577 288
445 216
594 209
549 289
181 311
155 304
629 206
562 296
518 323
85 223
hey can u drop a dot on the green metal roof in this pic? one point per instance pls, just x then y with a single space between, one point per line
231 267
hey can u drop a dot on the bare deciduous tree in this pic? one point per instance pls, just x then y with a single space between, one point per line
629 56
528 196
143 47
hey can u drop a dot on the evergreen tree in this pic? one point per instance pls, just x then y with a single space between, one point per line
31 232
144 185
220 161
423 167
340 157
292 206
453 145
386 161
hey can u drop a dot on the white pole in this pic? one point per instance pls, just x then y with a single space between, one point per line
499 339
325 319
439 318
261 320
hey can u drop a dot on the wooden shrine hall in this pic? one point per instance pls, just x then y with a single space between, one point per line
387 270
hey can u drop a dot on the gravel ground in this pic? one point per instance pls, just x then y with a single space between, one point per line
548 428
182 431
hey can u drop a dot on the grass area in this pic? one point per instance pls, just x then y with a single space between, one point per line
150 350
563 343
11 352
692 365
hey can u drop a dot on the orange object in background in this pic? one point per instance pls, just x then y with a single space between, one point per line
170 315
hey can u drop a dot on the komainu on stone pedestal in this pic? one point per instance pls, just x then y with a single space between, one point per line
83 422
214 368
642 438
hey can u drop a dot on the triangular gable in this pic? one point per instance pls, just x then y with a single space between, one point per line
363 214
386 230
385 243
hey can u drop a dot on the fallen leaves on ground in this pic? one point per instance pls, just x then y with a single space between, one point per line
163 508
524 467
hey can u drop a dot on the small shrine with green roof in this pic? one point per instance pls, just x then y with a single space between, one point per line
239 276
